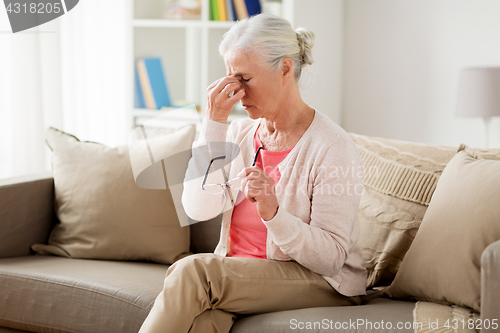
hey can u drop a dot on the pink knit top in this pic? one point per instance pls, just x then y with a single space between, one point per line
248 234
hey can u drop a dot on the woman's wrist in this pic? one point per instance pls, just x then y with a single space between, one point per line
268 217
218 119
214 116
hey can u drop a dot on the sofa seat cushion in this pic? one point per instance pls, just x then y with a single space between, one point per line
379 315
55 294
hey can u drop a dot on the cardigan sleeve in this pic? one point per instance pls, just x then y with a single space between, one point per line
323 244
214 141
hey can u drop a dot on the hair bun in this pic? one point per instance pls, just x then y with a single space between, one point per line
306 43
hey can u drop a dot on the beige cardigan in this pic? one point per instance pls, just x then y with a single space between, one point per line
318 194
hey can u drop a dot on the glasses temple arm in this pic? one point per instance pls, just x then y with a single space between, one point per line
256 155
208 170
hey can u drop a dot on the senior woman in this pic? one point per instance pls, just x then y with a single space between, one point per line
289 229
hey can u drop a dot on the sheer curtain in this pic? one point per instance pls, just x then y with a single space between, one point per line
70 73
21 99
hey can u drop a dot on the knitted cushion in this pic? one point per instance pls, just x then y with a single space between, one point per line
400 178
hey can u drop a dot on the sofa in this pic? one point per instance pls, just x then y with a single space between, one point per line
48 293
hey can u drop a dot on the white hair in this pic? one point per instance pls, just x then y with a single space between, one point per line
272 39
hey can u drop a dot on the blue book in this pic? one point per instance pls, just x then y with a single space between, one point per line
253 7
153 84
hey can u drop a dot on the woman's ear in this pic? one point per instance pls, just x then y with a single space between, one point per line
287 68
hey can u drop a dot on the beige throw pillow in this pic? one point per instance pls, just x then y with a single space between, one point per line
463 218
399 180
103 213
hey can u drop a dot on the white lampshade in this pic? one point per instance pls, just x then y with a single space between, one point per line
479 92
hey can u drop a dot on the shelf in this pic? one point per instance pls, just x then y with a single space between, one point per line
220 24
159 23
179 115
168 113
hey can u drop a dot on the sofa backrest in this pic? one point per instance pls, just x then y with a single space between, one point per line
205 235
27 210
26 213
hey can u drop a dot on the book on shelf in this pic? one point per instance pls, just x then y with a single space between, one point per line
214 10
152 83
253 7
138 97
222 10
232 10
241 9
231 14
246 8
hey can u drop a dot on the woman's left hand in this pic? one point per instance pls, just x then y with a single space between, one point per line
260 189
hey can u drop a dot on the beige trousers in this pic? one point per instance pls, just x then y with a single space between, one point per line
204 292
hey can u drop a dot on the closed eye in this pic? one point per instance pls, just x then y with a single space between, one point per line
240 77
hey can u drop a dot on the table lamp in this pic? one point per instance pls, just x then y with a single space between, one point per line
479 94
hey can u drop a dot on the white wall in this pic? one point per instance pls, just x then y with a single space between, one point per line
402 60
321 83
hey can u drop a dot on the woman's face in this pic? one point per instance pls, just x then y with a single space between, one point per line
264 88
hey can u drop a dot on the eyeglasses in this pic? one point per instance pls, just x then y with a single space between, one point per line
234 183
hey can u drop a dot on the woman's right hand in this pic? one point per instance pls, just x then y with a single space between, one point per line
221 96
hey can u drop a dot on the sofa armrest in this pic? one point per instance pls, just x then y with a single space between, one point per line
26 213
490 288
